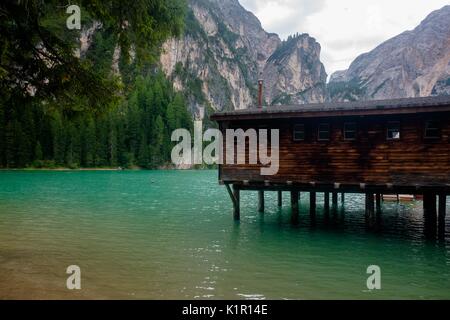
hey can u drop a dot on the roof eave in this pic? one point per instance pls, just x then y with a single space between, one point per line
278 114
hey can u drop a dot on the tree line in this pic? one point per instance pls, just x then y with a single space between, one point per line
136 133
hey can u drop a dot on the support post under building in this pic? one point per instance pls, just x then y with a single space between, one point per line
430 214
335 199
312 203
236 203
261 201
370 208
326 202
294 206
280 199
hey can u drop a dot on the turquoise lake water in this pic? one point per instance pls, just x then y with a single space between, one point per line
170 235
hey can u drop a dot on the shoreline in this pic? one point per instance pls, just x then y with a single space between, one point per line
67 169
103 169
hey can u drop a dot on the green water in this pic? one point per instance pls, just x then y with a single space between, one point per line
170 235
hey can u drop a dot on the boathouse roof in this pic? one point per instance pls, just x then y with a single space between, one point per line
340 109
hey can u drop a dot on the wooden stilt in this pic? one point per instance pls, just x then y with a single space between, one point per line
294 206
326 207
335 198
430 216
370 206
280 199
312 204
237 203
429 205
342 197
442 207
378 201
326 202
441 215
261 201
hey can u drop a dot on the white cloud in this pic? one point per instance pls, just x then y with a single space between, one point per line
344 28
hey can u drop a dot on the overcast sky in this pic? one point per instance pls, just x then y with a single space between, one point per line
344 28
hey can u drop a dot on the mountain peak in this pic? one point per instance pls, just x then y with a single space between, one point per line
294 73
413 64
225 50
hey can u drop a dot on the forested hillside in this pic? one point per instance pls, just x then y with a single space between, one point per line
134 133
60 110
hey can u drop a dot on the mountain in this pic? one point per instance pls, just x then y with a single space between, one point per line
294 73
224 52
413 64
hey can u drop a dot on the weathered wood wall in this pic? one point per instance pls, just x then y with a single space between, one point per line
371 158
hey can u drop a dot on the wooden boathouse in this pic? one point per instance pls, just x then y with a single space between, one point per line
399 146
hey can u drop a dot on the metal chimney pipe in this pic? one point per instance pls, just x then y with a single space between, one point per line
260 93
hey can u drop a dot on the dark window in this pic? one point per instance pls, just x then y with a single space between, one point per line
393 130
324 132
299 132
349 131
432 130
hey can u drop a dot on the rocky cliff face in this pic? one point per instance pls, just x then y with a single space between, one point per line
225 50
413 64
293 74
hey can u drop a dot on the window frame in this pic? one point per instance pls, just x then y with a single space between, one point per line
355 131
388 130
437 128
319 131
294 131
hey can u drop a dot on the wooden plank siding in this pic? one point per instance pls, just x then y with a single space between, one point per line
370 159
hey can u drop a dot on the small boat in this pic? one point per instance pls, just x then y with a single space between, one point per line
399 197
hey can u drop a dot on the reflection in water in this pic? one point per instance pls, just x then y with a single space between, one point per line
170 235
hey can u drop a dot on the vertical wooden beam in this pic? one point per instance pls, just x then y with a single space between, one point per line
237 203
378 201
441 215
326 206
335 198
430 216
280 199
260 201
312 203
326 202
294 206
442 207
342 197
370 209
429 205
